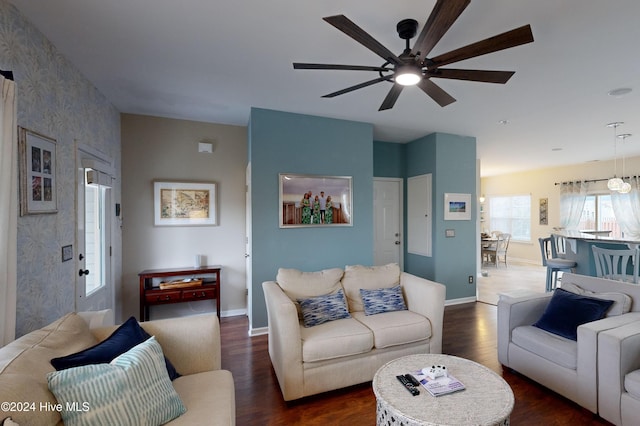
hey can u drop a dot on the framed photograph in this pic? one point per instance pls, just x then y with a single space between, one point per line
37 155
184 204
309 200
457 206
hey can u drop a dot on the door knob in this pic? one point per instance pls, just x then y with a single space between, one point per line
83 272
397 243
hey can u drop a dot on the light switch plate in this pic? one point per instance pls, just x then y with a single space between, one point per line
449 233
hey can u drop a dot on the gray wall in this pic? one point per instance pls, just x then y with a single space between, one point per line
166 149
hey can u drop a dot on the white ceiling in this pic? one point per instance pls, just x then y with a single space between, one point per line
212 60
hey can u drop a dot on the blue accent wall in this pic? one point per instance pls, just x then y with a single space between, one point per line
388 159
281 142
451 160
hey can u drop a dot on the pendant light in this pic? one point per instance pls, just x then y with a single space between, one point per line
625 188
615 183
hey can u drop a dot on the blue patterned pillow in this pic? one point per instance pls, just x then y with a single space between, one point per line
134 389
382 300
321 309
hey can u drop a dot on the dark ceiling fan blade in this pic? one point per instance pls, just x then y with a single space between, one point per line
515 37
437 94
303 66
392 97
443 15
347 26
500 77
356 87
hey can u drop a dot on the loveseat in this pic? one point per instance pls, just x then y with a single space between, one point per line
349 348
562 357
191 344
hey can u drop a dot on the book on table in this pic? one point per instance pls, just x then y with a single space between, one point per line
439 386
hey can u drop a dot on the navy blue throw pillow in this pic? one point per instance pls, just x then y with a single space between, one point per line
566 311
128 335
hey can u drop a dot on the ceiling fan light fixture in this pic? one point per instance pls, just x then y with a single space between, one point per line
408 75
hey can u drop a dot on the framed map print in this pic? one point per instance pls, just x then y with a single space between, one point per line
184 204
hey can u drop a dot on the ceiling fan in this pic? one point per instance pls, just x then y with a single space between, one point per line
412 67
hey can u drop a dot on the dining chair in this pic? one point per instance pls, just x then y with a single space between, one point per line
554 264
494 252
619 265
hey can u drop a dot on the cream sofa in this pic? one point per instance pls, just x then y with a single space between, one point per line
568 367
192 344
619 375
348 351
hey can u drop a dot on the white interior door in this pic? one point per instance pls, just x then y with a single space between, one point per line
387 219
95 216
419 215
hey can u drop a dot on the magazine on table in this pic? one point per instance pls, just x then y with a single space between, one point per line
439 386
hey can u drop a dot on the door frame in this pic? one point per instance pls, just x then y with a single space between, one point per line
87 156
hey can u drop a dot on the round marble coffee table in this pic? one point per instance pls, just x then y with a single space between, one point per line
486 400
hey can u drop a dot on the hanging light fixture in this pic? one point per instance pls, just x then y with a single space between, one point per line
615 183
625 188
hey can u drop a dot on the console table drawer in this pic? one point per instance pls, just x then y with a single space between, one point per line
198 294
162 296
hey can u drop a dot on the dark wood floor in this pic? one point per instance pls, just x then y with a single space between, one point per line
469 332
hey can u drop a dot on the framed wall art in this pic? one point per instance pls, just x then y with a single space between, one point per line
544 218
457 206
37 155
309 200
184 204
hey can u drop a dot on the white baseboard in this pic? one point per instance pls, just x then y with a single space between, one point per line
258 331
460 301
233 313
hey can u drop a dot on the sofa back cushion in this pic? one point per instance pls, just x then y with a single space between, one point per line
621 301
24 364
302 285
370 278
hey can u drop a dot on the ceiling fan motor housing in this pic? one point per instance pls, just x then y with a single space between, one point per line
407 28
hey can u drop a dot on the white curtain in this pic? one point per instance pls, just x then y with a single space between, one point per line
572 198
626 207
8 211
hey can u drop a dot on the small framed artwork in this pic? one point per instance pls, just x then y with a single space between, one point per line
544 219
457 206
184 204
67 253
309 200
37 155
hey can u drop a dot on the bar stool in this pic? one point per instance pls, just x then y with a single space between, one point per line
553 264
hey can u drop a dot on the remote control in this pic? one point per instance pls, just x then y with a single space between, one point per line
408 385
412 379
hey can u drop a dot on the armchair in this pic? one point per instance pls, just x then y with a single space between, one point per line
619 374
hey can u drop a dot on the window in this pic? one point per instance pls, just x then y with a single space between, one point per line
511 214
597 215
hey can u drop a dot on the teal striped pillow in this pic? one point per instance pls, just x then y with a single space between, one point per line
134 389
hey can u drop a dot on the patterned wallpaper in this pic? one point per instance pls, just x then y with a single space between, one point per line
54 99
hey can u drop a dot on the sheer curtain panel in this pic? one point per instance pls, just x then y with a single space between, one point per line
572 198
626 207
9 210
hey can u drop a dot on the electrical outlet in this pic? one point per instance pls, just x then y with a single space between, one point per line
470 279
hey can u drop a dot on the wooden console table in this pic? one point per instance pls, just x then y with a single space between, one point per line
150 295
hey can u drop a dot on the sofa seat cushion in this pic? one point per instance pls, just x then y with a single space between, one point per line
395 328
370 278
335 339
209 398
24 364
632 383
557 349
